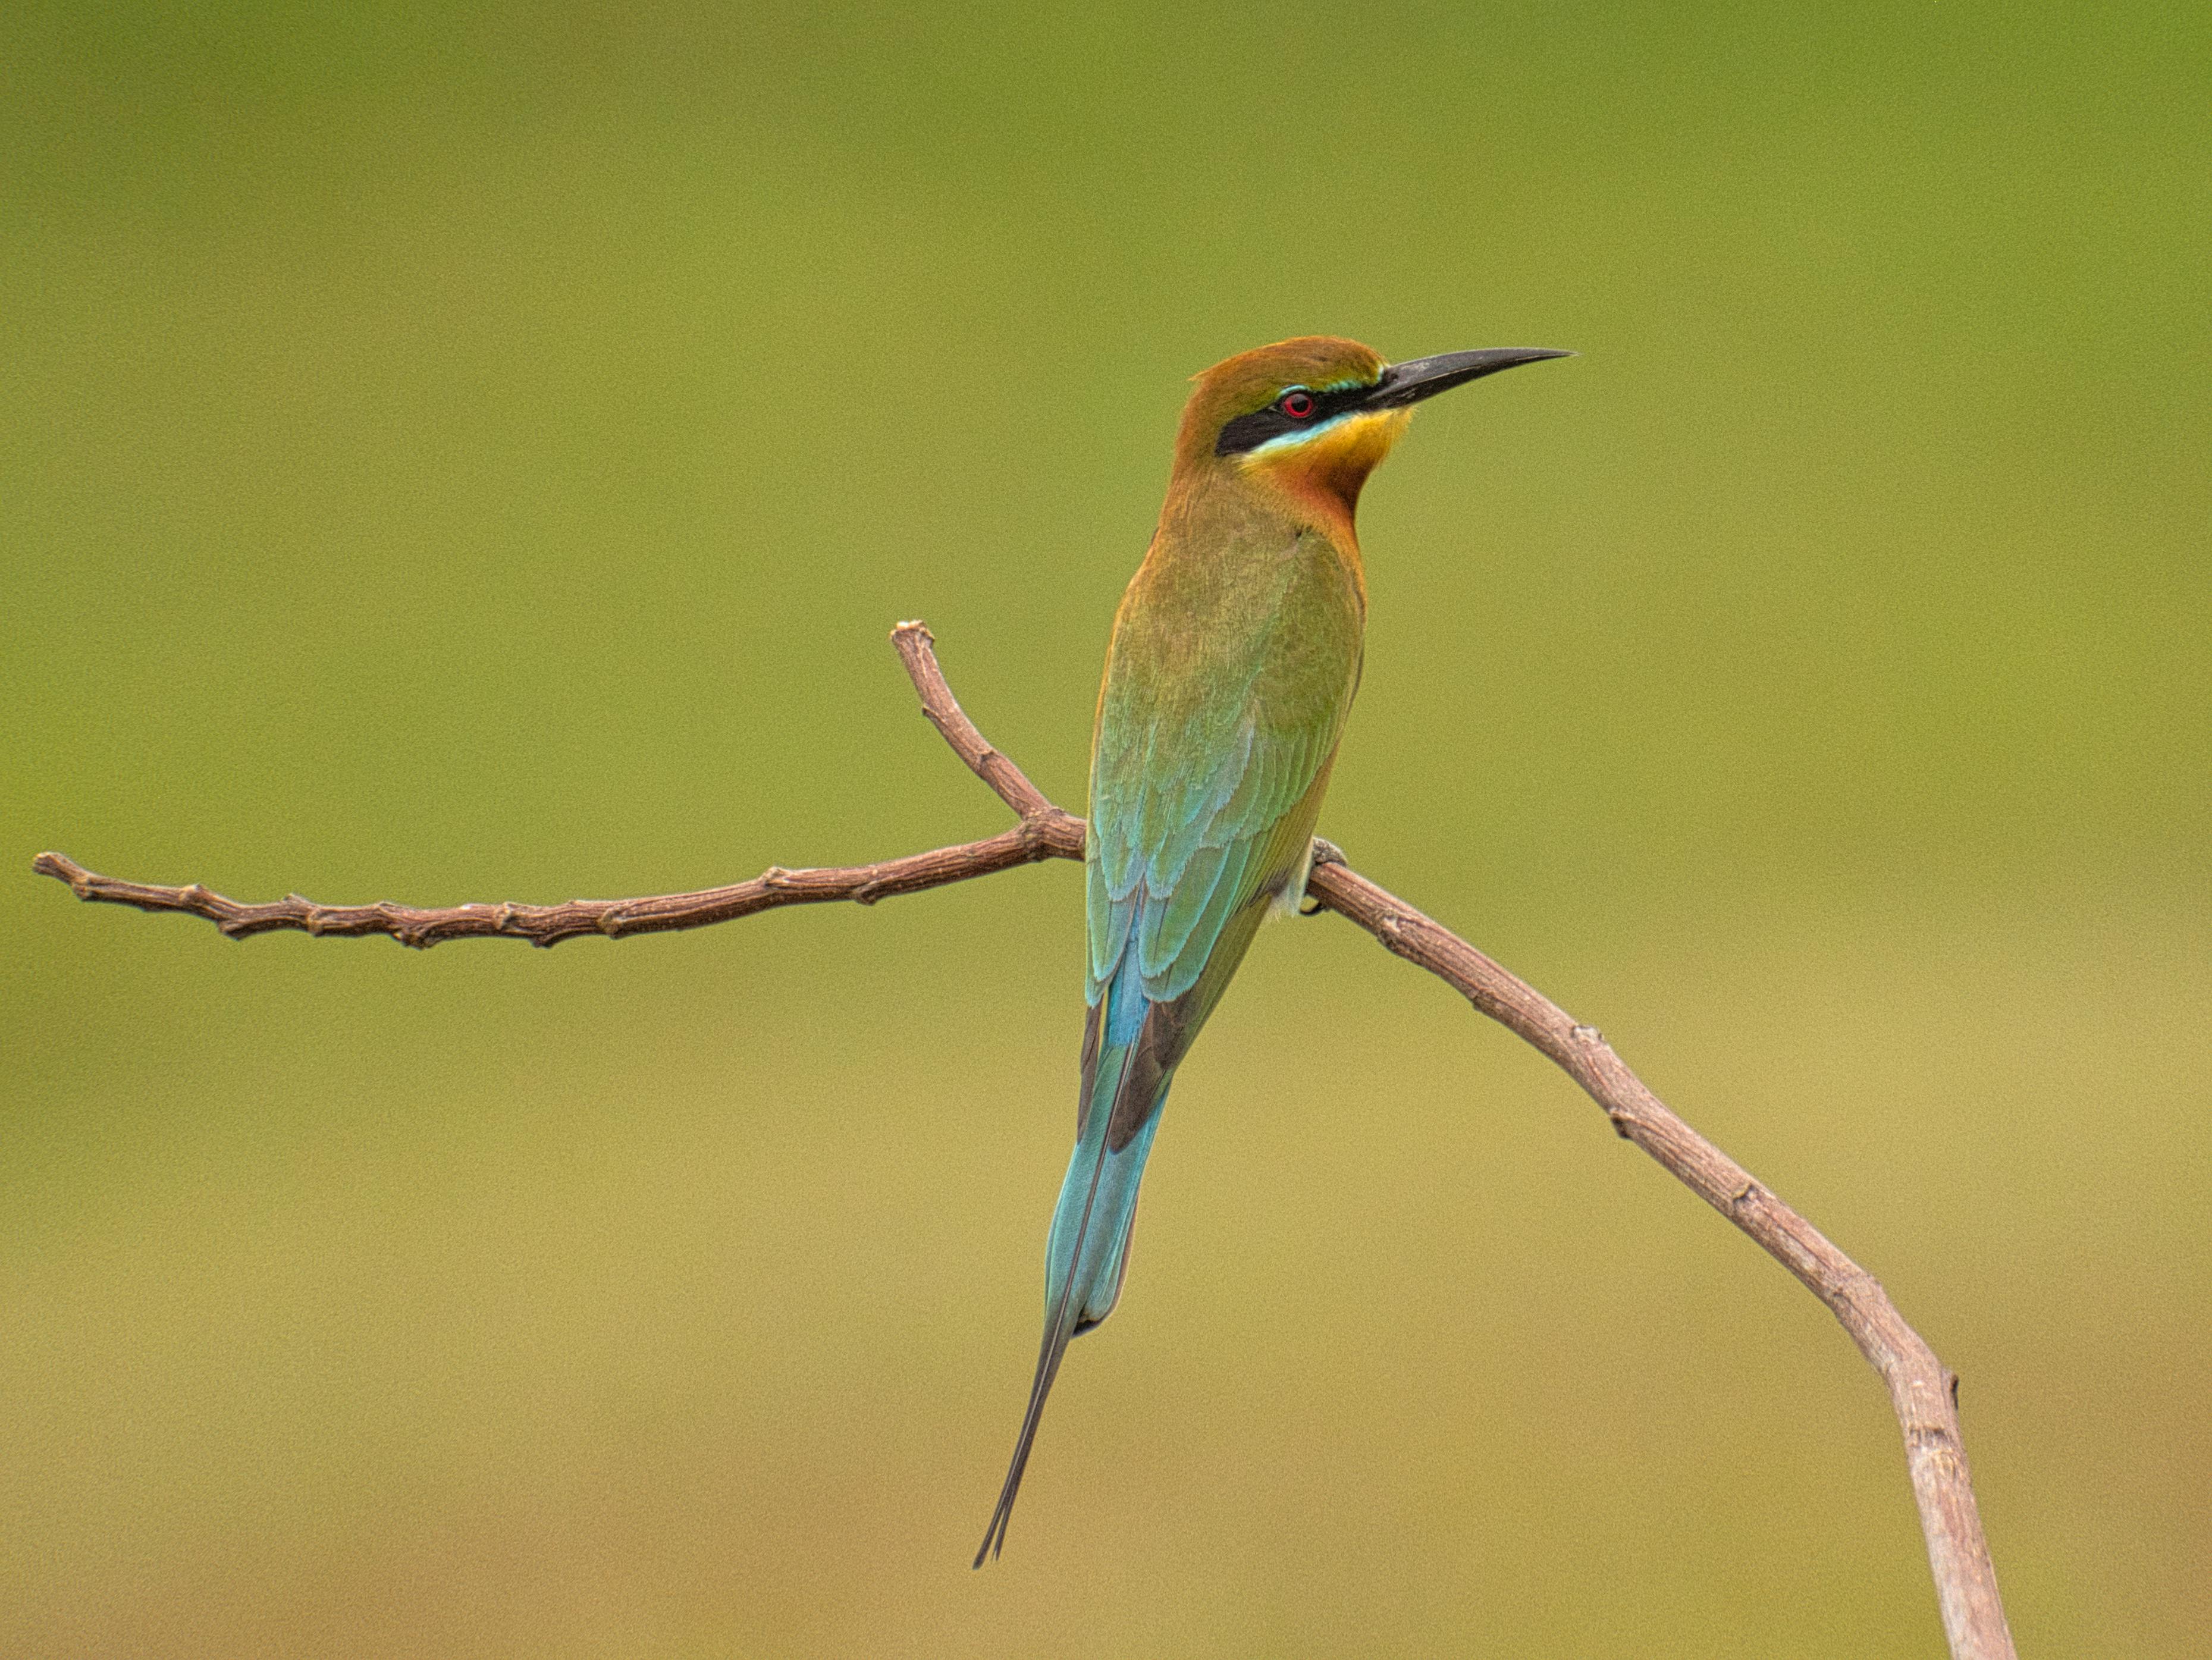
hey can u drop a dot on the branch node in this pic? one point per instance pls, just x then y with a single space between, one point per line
1938 1438
1857 1284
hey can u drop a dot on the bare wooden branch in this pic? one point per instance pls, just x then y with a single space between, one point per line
548 925
917 650
1045 832
1922 1391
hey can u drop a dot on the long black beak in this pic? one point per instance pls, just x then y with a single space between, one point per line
1425 377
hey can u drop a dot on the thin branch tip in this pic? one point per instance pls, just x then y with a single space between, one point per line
64 867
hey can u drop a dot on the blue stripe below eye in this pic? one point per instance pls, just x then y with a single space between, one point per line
1302 434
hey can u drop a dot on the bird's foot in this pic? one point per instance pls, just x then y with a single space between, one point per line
1325 852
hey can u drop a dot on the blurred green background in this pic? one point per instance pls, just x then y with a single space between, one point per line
477 452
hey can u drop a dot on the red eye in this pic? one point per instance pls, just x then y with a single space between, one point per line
1296 405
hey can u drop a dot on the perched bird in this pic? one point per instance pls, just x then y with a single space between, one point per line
1234 658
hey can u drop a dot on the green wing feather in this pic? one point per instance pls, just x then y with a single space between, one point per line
1220 715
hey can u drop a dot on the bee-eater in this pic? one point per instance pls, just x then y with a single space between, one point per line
1234 658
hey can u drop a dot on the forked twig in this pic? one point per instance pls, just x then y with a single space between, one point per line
1922 1391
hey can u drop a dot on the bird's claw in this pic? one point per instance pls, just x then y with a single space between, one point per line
1325 852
